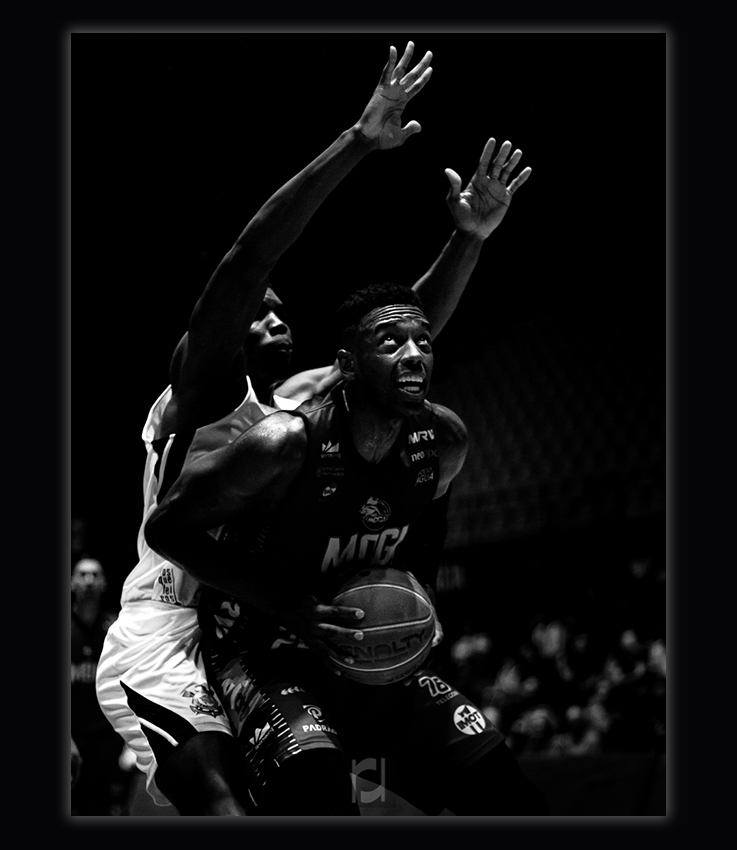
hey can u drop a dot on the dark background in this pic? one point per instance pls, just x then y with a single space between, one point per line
556 357
177 139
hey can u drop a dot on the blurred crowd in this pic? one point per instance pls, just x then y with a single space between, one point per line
573 688
574 685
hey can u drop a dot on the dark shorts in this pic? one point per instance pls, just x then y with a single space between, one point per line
284 701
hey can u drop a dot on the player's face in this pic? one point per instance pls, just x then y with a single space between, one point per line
269 340
394 358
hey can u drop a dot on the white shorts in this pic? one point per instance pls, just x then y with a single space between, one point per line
151 683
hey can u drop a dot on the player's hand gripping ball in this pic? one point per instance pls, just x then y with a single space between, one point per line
398 626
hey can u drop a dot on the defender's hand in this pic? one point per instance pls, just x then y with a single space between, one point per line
481 206
381 121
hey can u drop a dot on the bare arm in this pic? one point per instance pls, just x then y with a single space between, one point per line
477 211
236 289
251 474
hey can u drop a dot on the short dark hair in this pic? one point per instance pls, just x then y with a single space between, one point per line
363 301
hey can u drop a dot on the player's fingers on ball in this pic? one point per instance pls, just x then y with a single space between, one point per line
333 631
343 613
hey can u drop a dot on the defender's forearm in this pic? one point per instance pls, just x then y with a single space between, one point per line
443 284
284 216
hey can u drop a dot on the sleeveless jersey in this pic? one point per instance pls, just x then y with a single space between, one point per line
154 578
341 514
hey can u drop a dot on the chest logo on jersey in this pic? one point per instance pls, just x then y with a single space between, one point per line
374 513
330 461
372 548
416 436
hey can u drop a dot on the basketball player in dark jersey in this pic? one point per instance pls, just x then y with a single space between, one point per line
300 500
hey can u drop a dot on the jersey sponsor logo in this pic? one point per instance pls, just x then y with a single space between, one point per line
167 592
331 449
374 513
260 735
328 491
375 548
332 471
422 454
203 700
469 720
318 727
314 711
416 436
425 475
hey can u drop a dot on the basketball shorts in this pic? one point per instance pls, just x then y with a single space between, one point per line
421 732
151 684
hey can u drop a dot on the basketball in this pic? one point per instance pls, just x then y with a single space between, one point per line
398 626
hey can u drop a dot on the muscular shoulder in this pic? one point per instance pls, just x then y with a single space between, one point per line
260 464
451 430
451 438
309 383
278 435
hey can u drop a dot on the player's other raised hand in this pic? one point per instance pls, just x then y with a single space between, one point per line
381 121
481 206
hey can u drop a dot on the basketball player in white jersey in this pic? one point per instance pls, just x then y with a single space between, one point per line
151 680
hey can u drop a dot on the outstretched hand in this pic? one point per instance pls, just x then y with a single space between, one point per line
381 121
481 206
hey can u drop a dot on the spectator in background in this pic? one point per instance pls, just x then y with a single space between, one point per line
580 733
626 689
102 786
581 665
551 671
510 694
533 731
76 763
472 656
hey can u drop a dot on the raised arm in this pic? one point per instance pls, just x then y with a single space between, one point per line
477 211
234 293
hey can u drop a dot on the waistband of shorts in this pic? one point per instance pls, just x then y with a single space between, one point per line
154 603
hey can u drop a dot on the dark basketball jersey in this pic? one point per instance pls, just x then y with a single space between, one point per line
341 514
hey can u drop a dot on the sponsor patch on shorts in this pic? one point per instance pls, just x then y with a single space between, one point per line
469 720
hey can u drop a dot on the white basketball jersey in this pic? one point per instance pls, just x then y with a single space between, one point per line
154 578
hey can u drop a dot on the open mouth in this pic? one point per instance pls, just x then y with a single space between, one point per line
412 385
284 344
